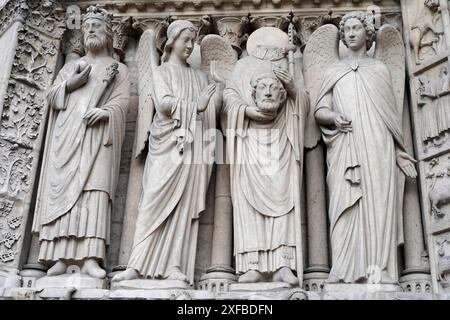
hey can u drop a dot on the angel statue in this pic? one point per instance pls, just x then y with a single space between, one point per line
80 168
264 113
177 114
358 104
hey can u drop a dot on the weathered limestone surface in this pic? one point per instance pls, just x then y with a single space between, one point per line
37 38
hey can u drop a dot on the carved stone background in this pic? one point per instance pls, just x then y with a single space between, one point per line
40 25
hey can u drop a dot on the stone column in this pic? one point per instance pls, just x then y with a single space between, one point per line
30 36
221 273
318 265
416 275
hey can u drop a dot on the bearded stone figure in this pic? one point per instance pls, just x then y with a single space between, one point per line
88 101
264 116
359 108
174 118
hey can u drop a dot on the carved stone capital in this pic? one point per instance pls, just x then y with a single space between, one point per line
158 25
281 22
233 30
121 29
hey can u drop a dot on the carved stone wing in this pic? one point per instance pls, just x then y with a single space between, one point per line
390 50
147 60
320 52
214 48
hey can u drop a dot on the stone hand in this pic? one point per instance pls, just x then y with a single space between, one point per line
343 123
79 77
95 115
286 78
257 115
406 163
205 96
215 72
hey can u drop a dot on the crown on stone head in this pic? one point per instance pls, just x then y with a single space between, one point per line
94 12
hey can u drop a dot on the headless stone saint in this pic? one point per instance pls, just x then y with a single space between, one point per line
264 115
179 110
88 103
359 108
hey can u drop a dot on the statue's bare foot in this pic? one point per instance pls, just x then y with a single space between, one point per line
176 274
285 275
92 268
128 274
57 269
251 276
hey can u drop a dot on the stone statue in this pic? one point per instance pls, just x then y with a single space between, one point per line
427 96
359 105
443 101
177 110
264 114
88 102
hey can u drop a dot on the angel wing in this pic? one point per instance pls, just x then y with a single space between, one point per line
320 52
215 48
389 48
147 59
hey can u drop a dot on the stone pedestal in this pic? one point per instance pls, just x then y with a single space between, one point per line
9 277
314 279
347 291
31 273
71 280
263 291
144 284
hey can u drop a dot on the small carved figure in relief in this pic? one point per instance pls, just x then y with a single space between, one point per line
177 109
88 101
427 32
427 96
264 113
439 195
359 107
443 101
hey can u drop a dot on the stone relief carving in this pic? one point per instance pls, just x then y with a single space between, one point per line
427 32
88 102
342 109
8 235
24 110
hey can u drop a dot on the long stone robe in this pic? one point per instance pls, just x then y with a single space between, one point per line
80 165
362 171
174 182
266 173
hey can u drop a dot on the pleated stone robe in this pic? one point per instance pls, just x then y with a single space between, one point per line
365 220
176 175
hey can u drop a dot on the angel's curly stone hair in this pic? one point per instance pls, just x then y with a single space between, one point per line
367 22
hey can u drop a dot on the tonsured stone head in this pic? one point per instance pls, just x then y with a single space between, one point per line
181 35
97 31
268 92
357 30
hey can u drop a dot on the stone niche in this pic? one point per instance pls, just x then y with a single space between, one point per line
37 38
